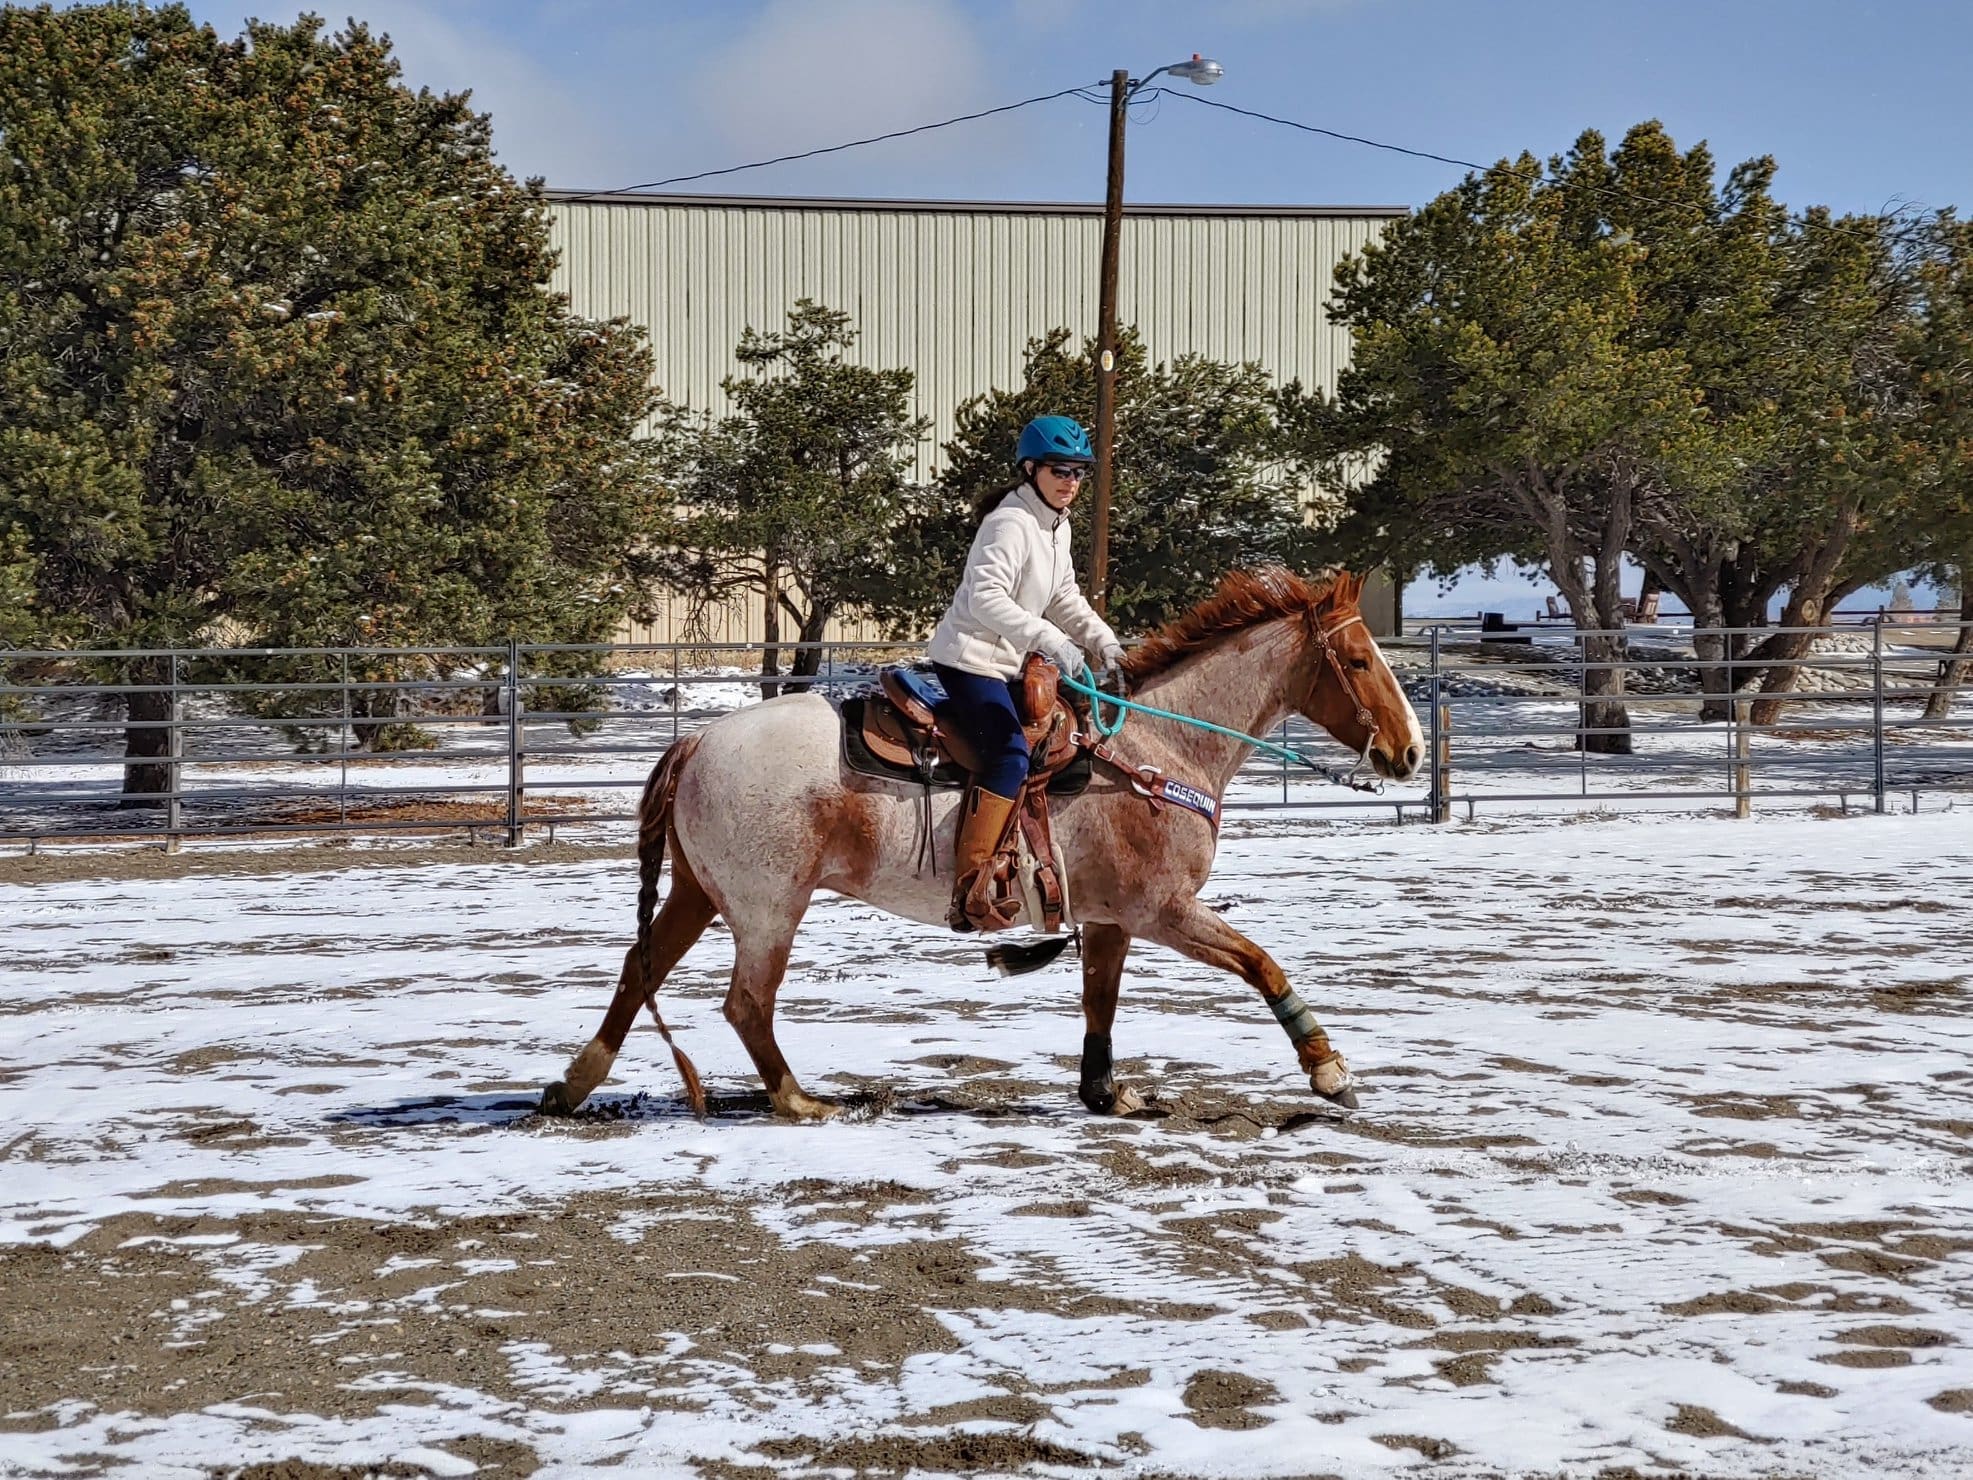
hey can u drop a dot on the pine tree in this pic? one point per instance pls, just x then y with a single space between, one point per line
794 496
1613 355
1938 450
279 349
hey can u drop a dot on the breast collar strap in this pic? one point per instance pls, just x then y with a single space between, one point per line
1153 784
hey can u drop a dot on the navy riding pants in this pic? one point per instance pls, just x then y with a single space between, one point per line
984 709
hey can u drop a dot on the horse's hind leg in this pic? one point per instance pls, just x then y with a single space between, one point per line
760 960
686 913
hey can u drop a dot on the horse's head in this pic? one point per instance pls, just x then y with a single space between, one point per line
1351 691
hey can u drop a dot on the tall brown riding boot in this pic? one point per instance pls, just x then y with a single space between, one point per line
983 823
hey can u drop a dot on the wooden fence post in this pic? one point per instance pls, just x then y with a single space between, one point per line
1743 801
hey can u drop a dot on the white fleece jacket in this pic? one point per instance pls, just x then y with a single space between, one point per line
1019 593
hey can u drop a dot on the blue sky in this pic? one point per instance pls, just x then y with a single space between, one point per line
1861 103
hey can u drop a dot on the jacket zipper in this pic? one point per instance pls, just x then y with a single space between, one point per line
1055 557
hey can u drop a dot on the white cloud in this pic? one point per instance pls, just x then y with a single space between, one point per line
807 73
541 125
594 95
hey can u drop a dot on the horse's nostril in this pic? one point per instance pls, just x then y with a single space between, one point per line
1413 754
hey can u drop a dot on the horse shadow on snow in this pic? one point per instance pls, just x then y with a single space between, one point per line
514 1109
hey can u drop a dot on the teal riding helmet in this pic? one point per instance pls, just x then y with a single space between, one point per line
1054 439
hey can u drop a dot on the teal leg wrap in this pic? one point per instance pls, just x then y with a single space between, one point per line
1293 1014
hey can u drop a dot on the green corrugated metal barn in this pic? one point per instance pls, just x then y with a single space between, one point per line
953 290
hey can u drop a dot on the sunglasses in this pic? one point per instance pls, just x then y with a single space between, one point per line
1067 470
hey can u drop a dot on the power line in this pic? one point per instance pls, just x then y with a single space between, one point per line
1330 133
1098 93
903 133
1535 177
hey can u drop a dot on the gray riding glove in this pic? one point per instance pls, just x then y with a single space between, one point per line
1065 655
1111 667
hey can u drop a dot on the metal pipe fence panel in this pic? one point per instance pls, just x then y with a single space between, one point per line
496 742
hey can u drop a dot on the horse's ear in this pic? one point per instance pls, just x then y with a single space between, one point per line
1349 588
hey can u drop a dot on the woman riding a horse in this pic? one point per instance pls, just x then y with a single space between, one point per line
1018 596
760 810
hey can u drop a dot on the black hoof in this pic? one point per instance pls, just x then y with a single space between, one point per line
1099 1083
1345 1097
555 1100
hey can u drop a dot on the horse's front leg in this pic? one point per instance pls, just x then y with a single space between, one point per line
1103 950
1195 931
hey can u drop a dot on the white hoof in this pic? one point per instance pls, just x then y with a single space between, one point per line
586 1070
1332 1079
798 1104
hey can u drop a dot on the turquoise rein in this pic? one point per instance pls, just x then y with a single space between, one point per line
1099 698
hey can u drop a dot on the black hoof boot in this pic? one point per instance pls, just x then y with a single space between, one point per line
1098 1089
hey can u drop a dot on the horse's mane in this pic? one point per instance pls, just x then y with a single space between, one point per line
1243 599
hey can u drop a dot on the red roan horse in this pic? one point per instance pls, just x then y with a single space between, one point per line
760 812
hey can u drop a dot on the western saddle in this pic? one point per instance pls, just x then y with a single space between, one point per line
898 732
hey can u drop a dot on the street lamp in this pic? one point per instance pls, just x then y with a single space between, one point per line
1200 72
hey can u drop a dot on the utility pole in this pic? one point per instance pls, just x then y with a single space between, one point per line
1106 342
1200 72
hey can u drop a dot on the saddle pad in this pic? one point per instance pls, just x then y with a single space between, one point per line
1072 780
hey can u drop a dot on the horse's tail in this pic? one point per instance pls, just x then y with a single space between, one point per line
653 828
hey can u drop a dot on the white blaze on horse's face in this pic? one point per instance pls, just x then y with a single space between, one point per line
1359 700
1399 756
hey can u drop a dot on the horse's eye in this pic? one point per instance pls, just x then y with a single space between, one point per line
1361 665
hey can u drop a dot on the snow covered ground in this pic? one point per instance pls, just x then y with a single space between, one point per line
1663 1163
